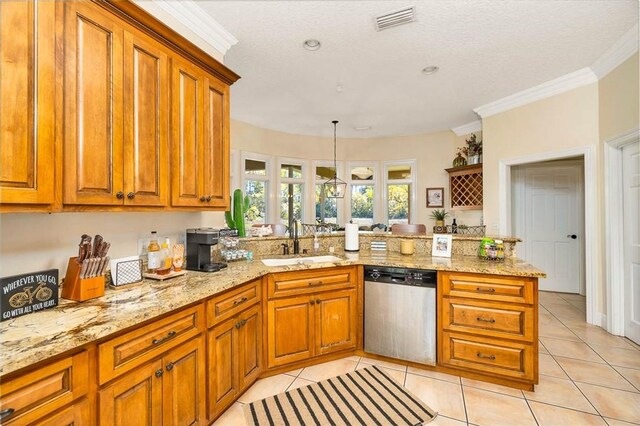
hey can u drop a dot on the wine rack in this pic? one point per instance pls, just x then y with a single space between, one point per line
465 187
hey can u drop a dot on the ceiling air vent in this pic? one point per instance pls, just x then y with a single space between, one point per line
395 18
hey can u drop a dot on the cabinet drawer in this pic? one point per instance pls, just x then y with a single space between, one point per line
132 349
75 414
488 287
44 390
310 281
497 357
488 318
226 305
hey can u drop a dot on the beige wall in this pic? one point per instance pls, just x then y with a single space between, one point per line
434 153
619 96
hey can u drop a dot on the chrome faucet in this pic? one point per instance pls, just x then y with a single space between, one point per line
296 241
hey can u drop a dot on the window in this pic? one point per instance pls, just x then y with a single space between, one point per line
326 209
256 176
362 178
291 197
399 193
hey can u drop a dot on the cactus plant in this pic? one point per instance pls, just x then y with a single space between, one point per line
235 219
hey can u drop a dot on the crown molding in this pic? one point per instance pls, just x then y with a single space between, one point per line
545 90
188 13
465 129
621 50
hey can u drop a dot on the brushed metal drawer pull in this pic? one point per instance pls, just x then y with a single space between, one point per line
168 336
315 282
4 414
486 290
491 320
239 301
481 355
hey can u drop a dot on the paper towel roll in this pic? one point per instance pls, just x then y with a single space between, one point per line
351 242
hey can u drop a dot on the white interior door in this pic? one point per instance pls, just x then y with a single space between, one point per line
631 197
549 218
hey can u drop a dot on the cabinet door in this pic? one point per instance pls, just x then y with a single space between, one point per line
135 399
290 332
187 128
335 321
93 106
27 113
223 365
216 143
184 384
249 336
146 126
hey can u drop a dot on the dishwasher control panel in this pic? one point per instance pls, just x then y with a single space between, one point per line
403 276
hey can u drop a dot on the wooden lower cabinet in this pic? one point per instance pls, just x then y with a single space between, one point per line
75 414
488 325
299 328
168 390
234 354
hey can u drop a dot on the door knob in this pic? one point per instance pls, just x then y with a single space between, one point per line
572 236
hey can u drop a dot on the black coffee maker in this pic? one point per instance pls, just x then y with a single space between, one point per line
200 241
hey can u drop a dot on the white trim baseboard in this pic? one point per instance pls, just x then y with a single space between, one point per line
592 235
465 129
614 230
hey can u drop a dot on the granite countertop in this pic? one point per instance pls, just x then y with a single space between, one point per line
33 338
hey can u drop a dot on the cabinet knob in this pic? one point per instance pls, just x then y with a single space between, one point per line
170 366
159 373
208 198
243 322
318 301
203 199
312 302
238 325
4 414
131 195
119 195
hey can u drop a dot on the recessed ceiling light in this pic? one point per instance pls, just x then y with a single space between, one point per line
362 128
432 69
311 44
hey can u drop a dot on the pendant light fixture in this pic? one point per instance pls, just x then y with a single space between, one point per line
334 187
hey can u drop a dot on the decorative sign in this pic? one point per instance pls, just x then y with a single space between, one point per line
27 293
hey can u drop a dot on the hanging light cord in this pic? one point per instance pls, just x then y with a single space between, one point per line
335 162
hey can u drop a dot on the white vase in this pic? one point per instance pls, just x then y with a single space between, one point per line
474 159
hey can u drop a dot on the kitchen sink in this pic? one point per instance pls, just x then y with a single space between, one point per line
299 260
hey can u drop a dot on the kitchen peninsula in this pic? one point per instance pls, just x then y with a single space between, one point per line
176 311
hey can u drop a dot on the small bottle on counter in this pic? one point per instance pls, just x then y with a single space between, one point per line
499 250
454 227
153 254
165 258
316 243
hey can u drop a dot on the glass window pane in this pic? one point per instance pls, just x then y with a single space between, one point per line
398 203
362 204
257 192
290 202
325 172
362 173
255 167
291 171
399 172
326 208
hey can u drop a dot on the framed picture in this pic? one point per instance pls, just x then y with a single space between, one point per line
435 197
441 245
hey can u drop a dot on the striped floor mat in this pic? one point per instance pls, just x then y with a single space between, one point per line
363 397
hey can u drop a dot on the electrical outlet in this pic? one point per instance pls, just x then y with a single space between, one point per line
143 244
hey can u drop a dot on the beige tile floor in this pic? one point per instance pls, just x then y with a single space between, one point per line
587 377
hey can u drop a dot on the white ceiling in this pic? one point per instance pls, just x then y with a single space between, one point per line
486 50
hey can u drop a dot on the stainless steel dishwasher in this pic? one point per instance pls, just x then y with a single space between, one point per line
400 313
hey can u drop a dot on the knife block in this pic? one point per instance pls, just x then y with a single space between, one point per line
78 289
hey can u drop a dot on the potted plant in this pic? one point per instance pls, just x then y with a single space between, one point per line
439 216
473 150
235 216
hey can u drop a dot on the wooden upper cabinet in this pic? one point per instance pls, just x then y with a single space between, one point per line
93 157
216 143
187 131
200 138
27 85
146 121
